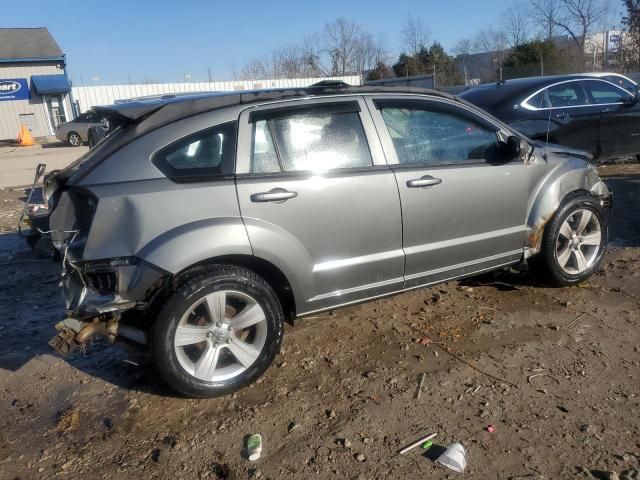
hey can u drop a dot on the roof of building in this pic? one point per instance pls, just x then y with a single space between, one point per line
28 44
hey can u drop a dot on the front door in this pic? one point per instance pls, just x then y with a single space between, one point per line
619 118
55 110
574 121
463 208
319 201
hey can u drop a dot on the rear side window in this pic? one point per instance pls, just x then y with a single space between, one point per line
566 95
264 158
315 140
602 93
205 155
422 135
539 100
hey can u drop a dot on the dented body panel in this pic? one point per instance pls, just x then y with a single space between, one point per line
565 174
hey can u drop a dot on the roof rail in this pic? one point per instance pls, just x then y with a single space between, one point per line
331 84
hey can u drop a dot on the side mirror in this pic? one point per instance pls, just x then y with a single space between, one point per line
515 147
632 99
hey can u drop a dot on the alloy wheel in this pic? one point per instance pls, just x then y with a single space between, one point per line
220 335
578 241
74 139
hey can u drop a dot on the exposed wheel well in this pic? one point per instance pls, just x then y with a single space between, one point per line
268 271
535 237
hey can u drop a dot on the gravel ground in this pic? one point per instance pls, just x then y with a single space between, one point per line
555 371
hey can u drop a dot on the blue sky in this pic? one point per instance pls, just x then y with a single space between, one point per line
162 40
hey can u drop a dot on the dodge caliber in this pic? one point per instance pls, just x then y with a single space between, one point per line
204 222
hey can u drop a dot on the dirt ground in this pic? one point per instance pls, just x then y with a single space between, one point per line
556 371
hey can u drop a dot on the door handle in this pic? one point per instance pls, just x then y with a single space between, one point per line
562 116
426 181
277 195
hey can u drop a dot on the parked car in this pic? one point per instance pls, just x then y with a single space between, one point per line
204 224
76 132
590 114
615 78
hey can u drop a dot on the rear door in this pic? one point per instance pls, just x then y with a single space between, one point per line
619 118
462 211
574 120
319 201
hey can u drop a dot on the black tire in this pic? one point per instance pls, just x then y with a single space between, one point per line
215 279
74 139
546 265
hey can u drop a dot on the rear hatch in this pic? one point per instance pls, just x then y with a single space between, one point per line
121 118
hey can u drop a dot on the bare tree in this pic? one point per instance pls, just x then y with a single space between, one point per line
368 53
515 23
342 47
490 40
580 17
415 35
547 12
463 50
342 37
311 53
254 69
574 17
495 42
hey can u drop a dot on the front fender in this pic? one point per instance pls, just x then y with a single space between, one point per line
566 176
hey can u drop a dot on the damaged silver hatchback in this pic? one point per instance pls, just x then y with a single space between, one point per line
205 222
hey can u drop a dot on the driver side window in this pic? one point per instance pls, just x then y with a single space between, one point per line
434 136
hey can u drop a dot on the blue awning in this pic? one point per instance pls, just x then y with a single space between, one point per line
46 84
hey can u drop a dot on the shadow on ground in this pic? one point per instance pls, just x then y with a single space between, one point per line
624 228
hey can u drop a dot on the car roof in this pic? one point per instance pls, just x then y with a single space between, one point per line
491 95
169 108
608 74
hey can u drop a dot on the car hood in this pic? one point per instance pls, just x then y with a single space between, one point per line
563 151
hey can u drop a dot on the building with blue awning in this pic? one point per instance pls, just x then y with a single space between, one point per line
34 86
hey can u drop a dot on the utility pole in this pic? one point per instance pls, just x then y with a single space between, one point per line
209 74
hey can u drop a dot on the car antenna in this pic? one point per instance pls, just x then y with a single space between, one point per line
546 145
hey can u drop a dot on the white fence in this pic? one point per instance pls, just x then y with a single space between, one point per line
87 97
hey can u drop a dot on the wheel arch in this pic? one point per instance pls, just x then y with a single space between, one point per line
536 231
71 132
265 269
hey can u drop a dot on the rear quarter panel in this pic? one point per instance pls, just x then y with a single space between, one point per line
171 225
